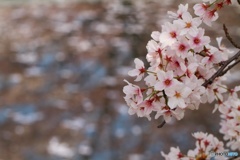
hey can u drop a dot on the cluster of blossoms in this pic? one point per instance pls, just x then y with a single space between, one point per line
208 11
205 144
181 59
230 114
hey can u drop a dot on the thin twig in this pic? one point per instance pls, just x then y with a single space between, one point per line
166 101
162 124
224 64
229 67
229 37
221 69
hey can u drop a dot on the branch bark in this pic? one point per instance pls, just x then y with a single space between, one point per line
229 37
221 70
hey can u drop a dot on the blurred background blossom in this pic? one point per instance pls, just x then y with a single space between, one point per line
62 68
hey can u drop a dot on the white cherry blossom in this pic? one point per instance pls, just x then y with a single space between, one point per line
165 80
188 24
139 71
177 96
169 34
181 9
200 9
198 41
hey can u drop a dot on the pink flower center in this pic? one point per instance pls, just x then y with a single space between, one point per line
182 47
211 57
167 82
149 103
180 16
229 2
168 59
142 70
177 64
220 5
177 94
196 40
211 13
173 34
188 25
206 143
215 90
205 7
180 155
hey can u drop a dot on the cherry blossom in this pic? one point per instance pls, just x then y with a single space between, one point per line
167 113
200 9
181 9
154 52
143 109
133 94
181 61
177 96
169 34
139 71
166 80
205 143
198 41
223 50
188 24
210 16
208 11
174 154
181 47
230 110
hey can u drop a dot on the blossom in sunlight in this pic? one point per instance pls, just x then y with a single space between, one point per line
169 34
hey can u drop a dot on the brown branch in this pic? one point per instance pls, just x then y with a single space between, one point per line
224 64
229 37
162 124
229 67
221 69
166 101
